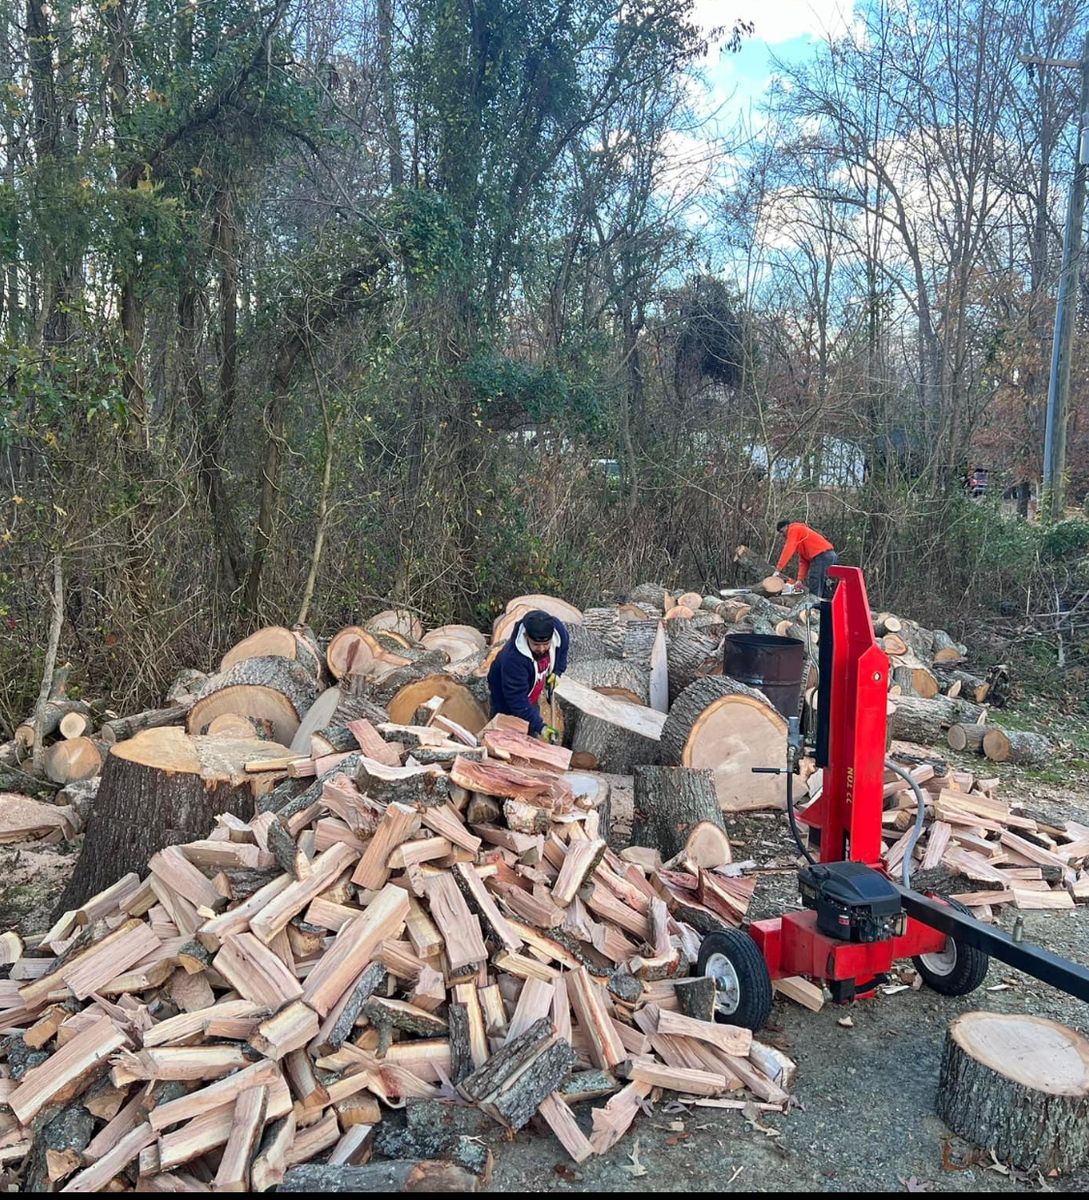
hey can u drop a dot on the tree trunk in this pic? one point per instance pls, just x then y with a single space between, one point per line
669 803
730 728
924 721
161 788
1018 1086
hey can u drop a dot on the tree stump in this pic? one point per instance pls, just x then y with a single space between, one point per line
1016 746
269 688
619 735
669 803
161 788
728 727
1018 1086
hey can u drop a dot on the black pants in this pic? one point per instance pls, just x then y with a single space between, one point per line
817 579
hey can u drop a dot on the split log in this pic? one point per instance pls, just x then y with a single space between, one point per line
967 738
729 728
669 803
1018 1086
924 721
1016 746
160 788
270 689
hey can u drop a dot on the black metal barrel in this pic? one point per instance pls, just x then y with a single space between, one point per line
772 664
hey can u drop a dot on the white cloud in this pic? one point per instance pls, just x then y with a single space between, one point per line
782 20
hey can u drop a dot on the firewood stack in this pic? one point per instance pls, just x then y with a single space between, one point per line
263 996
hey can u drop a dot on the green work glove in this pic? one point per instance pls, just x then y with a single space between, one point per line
549 734
551 679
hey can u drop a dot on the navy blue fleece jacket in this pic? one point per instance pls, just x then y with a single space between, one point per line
513 672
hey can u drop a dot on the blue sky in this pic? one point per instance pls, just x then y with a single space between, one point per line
785 30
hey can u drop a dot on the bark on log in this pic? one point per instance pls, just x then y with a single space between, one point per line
721 724
160 788
669 803
123 728
972 687
967 738
757 572
614 748
409 1175
606 625
925 721
690 655
1016 746
649 593
268 688
1018 1086
73 759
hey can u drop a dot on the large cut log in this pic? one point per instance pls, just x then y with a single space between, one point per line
925 721
459 704
972 687
160 788
356 651
556 607
276 641
690 655
617 674
396 620
913 676
757 572
271 689
1016 746
669 803
618 734
1017 1086
728 727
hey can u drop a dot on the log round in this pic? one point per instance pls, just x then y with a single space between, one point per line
269 688
723 725
967 737
355 651
459 704
396 620
233 726
567 613
691 600
72 759
669 803
274 641
1016 746
653 594
1018 1086
503 625
160 788
456 649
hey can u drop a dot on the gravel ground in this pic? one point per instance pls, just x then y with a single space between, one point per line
865 1095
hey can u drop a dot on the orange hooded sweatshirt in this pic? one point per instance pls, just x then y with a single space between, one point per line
808 543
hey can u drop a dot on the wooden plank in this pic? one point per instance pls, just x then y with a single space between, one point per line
731 1039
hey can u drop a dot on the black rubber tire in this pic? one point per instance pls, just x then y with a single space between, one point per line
969 968
753 977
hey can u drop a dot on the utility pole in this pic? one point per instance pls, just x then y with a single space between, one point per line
1058 387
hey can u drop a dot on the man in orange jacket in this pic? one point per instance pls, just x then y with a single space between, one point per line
815 555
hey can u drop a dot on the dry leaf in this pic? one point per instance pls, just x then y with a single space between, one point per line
752 1114
846 1022
911 1184
565 1172
636 1169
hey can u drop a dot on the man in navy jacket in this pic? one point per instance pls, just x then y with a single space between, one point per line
530 661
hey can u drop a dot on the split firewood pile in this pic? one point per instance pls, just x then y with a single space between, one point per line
375 937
